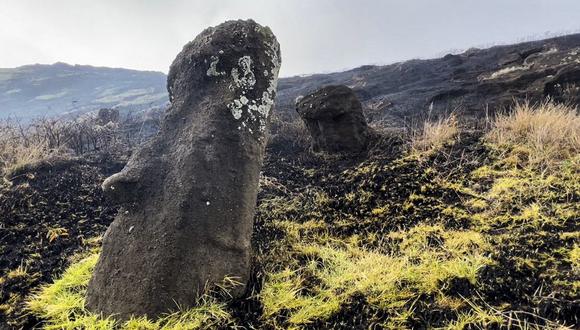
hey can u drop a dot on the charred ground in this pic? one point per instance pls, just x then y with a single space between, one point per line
49 212
313 207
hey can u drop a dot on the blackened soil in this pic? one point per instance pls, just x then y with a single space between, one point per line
46 215
67 202
355 188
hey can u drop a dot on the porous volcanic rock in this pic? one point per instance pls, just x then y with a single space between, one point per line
334 117
188 195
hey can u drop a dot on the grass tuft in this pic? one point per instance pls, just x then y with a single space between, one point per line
341 270
435 135
543 134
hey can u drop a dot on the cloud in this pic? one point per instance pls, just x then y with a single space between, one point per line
316 36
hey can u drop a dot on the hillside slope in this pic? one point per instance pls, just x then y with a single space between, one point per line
34 91
470 83
476 231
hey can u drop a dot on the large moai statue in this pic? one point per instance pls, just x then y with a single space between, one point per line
333 115
188 196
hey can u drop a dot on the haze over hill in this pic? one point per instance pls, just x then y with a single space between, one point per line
468 83
34 91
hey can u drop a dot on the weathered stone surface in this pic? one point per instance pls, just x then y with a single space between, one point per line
334 117
189 195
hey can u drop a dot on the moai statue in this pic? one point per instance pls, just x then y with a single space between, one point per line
188 196
334 118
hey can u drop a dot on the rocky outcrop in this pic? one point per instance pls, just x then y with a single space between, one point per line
334 118
471 84
188 196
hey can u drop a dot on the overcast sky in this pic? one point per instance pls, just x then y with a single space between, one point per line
315 35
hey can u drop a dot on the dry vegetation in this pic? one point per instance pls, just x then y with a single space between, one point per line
394 242
23 144
287 133
542 135
435 135
18 148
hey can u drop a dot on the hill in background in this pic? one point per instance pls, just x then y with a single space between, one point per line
469 84
34 91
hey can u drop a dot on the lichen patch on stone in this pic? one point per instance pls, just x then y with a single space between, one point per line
244 77
212 71
255 111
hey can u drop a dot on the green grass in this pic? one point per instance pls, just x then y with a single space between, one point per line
390 282
61 304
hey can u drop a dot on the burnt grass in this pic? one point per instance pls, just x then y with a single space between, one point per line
68 196
385 180
48 213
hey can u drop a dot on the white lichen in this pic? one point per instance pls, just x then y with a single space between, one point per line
257 110
245 79
236 109
212 71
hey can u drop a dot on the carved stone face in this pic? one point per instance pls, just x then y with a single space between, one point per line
219 60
